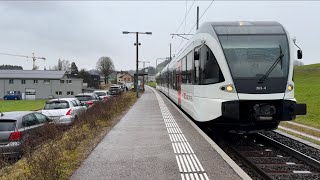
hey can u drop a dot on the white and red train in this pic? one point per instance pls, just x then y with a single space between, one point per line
235 74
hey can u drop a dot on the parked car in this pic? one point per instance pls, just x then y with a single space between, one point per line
115 89
15 127
103 94
122 87
129 85
63 111
88 99
13 95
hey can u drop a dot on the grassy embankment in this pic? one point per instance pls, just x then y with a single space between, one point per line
21 105
63 151
307 90
152 84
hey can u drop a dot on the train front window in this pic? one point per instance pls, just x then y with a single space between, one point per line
250 56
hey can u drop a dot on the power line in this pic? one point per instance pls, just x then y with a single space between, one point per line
185 17
184 20
201 16
193 28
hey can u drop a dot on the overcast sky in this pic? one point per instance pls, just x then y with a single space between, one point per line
84 31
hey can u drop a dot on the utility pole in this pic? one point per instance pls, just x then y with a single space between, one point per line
137 63
144 62
197 17
170 53
137 56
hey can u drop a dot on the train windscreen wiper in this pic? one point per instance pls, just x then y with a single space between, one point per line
264 77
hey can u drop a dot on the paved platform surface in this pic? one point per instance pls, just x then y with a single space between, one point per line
154 141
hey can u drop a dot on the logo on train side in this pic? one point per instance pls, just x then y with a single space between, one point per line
187 97
260 88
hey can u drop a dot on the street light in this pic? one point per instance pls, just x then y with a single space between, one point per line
137 55
166 58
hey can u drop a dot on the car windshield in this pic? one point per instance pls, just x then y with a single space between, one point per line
7 125
84 98
56 105
250 56
101 93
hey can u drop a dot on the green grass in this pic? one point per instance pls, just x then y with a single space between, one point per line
21 105
152 84
300 136
301 129
307 90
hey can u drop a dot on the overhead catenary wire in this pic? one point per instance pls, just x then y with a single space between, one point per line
192 29
201 16
184 19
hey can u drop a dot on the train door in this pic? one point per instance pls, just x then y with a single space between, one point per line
179 83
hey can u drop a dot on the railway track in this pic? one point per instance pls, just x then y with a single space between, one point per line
266 158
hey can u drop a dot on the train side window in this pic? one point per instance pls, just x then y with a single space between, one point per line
168 78
169 74
196 69
174 76
189 68
210 71
184 71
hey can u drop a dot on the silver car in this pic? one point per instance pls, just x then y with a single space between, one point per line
15 127
103 94
88 99
63 111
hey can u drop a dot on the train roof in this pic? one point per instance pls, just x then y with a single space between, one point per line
238 28
242 27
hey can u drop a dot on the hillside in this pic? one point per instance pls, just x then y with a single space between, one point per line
307 90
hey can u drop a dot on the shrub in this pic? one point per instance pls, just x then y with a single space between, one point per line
54 152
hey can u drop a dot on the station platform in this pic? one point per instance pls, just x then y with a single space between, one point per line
154 140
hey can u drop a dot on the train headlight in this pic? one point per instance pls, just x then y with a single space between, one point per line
228 88
290 87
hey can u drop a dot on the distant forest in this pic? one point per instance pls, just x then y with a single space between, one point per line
11 67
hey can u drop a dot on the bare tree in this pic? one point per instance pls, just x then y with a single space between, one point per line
63 65
105 67
35 68
66 66
59 67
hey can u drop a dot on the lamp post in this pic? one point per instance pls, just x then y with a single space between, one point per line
137 55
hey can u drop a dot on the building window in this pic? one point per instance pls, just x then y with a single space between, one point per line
61 81
46 81
58 93
35 81
69 92
69 81
23 81
10 81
